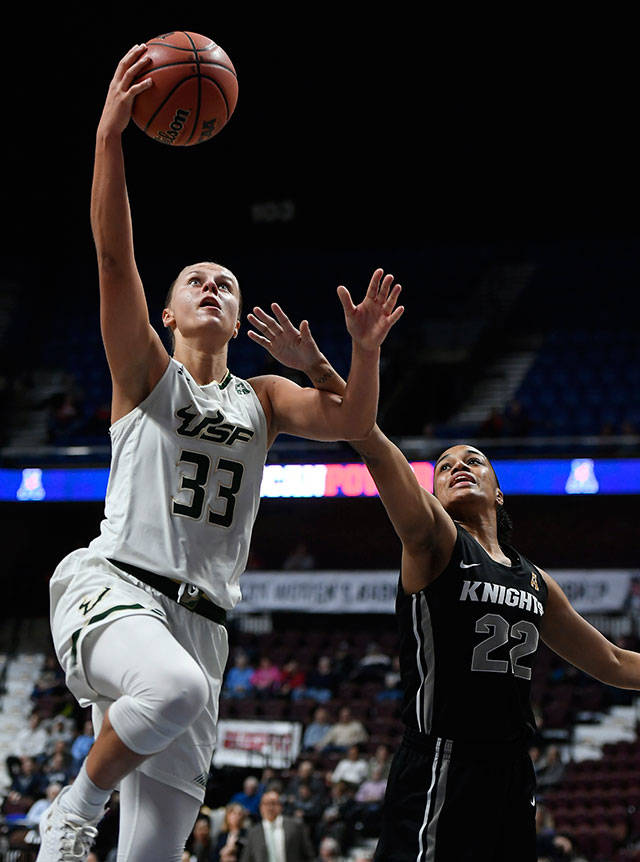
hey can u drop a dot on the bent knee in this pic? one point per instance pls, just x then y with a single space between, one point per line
185 696
156 714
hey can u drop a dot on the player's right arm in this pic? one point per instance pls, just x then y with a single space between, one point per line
136 356
427 532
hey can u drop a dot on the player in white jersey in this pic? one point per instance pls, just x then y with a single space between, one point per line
138 617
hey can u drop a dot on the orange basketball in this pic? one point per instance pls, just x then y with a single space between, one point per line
195 90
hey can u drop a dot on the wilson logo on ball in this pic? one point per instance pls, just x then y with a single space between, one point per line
176 126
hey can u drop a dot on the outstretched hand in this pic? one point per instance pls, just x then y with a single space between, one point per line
293 347
369 322
122 91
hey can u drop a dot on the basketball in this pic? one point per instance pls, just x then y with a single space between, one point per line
195 90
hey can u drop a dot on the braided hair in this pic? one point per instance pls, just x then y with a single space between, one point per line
504 525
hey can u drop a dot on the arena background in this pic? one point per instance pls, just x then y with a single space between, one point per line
491 165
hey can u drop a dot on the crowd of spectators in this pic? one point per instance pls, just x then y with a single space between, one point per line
326 804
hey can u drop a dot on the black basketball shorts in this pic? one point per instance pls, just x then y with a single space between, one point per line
458 802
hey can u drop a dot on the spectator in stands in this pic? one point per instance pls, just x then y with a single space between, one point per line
368 803
232 836
550 767
305 775
549 843
345 732
373 665
266 678
28 785
32 740
306 805
63 749
381 759
372 788
250 795
277 838
353 768
24 831
50 684
59 734
293 679
300 559
392 685
336 821
40 805
343 661
270 780
321 683
329 850
237 681
56 769
317 729
202 847
81 745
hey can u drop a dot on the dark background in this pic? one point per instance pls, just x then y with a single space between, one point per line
390 131
383 128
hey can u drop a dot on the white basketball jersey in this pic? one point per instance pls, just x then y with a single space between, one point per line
184 487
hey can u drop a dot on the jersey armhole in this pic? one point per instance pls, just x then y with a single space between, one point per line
441 573
260 411
124 420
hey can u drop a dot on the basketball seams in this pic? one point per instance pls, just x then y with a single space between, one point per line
186 63
210 47
222 92
166 99
196 119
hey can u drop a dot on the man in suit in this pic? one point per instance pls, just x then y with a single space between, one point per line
277 838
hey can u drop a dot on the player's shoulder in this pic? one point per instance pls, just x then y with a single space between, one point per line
269 382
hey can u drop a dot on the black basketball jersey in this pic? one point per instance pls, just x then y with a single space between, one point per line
467 646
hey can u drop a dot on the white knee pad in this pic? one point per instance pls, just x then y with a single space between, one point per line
149 720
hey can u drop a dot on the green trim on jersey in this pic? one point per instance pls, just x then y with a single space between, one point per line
97 619
226 380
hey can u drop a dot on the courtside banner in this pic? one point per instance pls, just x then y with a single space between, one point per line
597 591
257 744
604 591
319 592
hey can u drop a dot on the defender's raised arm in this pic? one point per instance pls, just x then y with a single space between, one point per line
322 415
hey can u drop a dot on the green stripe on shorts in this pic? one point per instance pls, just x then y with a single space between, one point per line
97 619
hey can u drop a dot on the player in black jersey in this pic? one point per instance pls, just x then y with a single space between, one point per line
471 611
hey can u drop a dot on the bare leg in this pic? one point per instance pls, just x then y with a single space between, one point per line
109 759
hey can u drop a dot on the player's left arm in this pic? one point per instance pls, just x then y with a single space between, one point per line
318 413
576 640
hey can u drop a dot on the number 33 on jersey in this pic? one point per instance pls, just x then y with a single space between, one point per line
211 441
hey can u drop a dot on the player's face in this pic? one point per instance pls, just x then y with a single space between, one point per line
464 474
206 297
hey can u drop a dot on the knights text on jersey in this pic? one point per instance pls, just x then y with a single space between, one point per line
467 646
184 486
